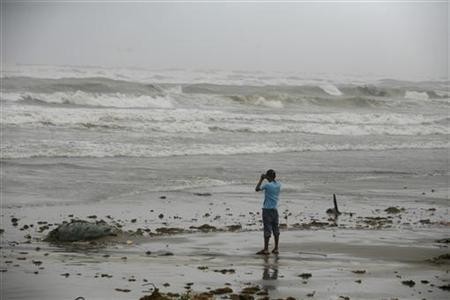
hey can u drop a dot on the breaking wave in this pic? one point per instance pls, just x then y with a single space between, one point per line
204 121
100 113
80 98
331 89
110 149
94 85
114 93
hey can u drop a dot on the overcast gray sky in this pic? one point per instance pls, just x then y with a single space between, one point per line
402 40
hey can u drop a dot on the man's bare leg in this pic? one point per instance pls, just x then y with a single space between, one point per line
276 238
265 251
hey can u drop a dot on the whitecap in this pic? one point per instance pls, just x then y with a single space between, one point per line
330 89
416 95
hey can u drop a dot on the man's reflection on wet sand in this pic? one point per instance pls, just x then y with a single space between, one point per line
270 272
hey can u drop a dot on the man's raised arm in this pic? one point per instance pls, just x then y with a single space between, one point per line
258 186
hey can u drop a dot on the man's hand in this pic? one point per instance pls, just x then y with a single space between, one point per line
258 186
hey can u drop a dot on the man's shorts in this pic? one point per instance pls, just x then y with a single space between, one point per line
270 221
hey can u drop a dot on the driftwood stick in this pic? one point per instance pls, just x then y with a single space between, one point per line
337 212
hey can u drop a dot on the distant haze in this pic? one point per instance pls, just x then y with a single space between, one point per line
398 40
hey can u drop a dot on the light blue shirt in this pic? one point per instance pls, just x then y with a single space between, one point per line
271 193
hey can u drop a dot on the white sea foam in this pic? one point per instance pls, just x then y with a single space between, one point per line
202 121
416 95
51 148
330 89
269 103
191 183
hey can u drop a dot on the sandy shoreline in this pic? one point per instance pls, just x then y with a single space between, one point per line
367 254
351 263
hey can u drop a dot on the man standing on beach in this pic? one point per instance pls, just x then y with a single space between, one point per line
269 212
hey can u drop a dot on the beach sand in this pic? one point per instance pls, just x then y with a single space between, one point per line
367 253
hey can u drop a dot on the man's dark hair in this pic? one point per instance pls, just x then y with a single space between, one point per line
271 173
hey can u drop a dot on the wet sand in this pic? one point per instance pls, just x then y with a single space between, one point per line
358 264
369 252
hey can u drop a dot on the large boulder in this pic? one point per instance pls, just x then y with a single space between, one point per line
79 230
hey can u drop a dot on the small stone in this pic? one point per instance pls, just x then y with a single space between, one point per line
311 294
393 210
225 271
202 194
409 283
37 262
221 291
250 290
305 275
161 216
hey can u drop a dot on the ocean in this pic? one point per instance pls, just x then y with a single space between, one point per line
94 112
